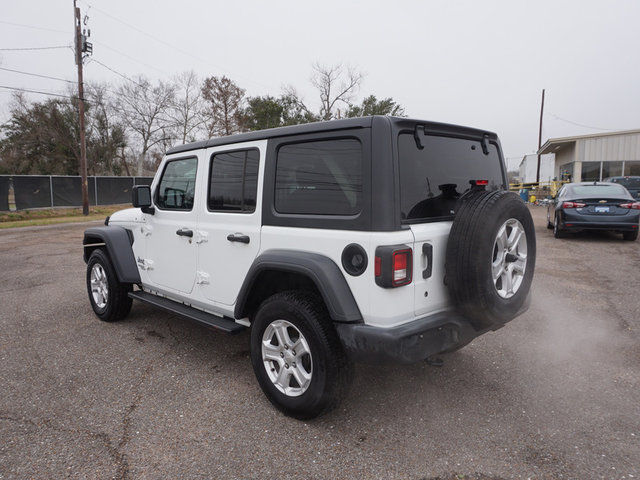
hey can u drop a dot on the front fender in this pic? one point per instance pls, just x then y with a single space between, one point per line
117 241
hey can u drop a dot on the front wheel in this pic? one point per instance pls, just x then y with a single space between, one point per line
297 356
109 298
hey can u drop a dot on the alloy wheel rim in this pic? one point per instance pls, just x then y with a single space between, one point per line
99 286
286 357
509 260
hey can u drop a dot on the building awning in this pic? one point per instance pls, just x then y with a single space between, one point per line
554 144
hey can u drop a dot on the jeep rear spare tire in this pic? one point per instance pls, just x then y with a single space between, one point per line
490 257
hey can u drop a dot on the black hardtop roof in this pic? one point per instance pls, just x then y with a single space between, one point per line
398 123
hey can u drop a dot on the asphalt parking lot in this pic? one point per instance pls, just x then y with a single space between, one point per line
553 395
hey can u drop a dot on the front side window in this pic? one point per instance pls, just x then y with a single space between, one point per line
319 178
233 184
177 185
434 177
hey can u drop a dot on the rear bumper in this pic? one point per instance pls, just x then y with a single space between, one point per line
628 222
407 343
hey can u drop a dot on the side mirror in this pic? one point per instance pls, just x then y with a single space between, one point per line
141 198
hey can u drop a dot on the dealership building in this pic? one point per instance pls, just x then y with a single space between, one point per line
594 157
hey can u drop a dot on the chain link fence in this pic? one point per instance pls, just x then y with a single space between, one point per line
24 192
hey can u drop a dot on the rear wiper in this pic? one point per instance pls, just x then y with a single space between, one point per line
416 137
485 144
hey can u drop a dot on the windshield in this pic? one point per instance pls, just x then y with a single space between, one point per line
432 179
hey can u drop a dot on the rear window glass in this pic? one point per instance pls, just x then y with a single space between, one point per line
319 178
598 190
432 179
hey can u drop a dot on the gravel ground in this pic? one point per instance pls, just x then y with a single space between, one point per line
553 395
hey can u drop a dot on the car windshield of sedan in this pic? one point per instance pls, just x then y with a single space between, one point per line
599 190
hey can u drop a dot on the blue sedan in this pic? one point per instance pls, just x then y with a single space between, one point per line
594 206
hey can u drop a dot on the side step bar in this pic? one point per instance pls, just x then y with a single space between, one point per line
225 325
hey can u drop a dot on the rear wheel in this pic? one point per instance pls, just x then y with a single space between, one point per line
109 298
549 224
557 231
631 236
297 356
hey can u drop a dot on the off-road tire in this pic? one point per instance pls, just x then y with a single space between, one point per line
483 221
331 370
111 303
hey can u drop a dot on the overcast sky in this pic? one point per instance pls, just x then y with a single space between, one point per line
476 63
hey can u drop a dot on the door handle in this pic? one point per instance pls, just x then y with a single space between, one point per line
427 251
238 237
184 232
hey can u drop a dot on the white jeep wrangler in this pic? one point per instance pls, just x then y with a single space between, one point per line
375 239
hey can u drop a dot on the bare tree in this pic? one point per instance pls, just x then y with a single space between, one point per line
144 109
186 112
105 132
224 108
336 85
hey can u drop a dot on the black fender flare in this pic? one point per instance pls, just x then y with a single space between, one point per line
321 270
117 241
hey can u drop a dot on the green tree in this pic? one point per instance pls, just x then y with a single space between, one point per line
41 138
372 106
271 112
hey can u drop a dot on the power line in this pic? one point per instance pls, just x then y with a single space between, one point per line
130 57
37 91
37 75
118 73
581 125
34 27
159 40
33 48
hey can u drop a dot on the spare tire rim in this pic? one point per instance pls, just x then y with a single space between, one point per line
509 262
287 358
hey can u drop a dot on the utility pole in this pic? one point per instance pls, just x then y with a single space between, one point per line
540 138
82 46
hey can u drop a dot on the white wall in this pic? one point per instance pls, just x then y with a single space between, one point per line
529 166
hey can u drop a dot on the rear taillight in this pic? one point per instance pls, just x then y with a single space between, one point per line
573 205
393 266
633 206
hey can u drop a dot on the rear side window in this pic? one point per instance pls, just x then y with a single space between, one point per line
433 178
233 183
319 178
177 185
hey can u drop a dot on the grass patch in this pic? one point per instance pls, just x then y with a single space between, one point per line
48 216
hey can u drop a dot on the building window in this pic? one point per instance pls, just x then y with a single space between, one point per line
566 172
632 168
611 169
590 171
